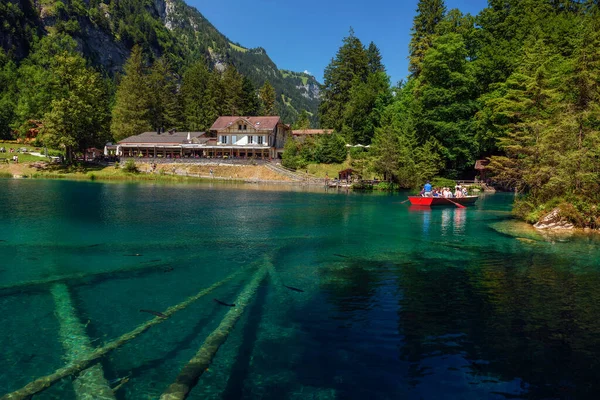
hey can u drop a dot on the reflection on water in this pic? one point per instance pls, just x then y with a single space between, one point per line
393 301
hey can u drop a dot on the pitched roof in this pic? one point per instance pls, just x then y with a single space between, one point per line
258 123
312 132
165 138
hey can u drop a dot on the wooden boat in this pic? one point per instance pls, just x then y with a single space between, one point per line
442 201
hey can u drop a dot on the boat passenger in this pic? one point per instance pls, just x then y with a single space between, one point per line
427 190
458 193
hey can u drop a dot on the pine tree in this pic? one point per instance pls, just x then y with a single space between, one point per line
250 100
576 132
131 113
303 121
446 94
524 106
349 67
194 94
233 84
214 98
363 111
8 94
429 14
164 106
267 97
375 60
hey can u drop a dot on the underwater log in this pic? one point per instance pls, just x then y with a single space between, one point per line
90 383
77 366
193 370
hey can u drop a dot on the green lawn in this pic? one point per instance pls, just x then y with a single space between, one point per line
23 157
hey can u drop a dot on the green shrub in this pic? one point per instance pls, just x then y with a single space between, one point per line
386 186
442 182
131 167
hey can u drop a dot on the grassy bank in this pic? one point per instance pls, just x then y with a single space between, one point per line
165 172
23 157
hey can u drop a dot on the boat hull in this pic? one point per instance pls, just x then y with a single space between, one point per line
442 201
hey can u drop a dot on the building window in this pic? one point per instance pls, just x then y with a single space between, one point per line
233 139
245 127
224 139
260 139
250 139
239 127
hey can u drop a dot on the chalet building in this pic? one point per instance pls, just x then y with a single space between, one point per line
302 134
244 137
169 144
229 137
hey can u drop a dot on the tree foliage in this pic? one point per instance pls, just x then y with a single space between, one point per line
429 14
267 97
131 114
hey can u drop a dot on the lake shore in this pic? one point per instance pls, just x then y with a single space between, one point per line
163 172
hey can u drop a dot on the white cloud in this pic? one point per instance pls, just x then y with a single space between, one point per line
307 72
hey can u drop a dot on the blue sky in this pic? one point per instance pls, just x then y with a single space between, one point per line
306 34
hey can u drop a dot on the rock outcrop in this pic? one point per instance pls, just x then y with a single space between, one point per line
554 221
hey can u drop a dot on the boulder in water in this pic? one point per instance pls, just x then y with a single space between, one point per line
554 221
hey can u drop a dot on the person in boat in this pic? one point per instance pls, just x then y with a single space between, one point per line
427 190
458 192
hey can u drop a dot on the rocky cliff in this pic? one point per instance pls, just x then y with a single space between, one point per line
106 31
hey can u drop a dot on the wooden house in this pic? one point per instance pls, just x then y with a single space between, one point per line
247 137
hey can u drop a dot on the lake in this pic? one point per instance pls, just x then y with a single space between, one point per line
394 302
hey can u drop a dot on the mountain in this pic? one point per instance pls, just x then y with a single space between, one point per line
106 30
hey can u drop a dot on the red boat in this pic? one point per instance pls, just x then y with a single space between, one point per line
442 201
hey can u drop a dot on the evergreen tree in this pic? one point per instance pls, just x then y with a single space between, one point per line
131 113
349 67
375 60
363 112
267 97
233 90
395 152
429 14
331 149
8 94
195 97
446 93
578 124
214 98
303 121
250 100
523 109
164 105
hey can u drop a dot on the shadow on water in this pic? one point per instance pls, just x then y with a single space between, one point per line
500 326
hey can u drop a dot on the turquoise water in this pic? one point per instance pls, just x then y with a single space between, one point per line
397 302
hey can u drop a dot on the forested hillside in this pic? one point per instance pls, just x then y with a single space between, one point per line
105 31
518 84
